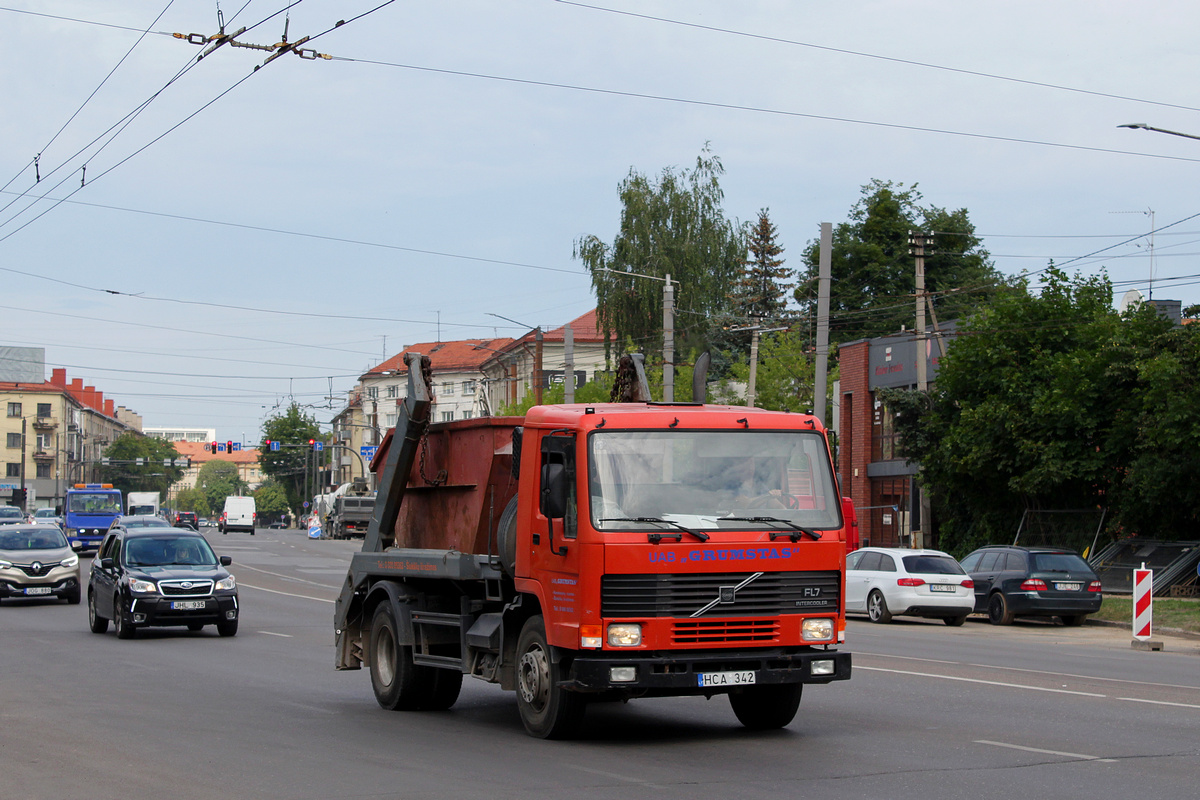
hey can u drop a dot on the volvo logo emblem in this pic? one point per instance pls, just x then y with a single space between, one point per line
727 594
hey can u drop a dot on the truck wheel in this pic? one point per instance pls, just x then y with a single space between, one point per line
97 623
767 707
547 710
399 685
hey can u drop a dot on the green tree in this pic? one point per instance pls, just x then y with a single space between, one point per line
784 380
152 475
675 226
193 499
873 273
1054 402
270 500
761 290
218 480
293 428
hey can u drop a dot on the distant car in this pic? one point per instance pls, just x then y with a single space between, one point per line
277 525
887 582
205 522
36 561
186 519
160 577
139 521
11 515
46 516
1033 581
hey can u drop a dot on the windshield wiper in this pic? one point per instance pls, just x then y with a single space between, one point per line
658 537
795 535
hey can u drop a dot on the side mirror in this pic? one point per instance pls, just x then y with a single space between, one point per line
554 491
225 561
106 563
77 545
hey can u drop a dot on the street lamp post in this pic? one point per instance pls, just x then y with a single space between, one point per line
1143 126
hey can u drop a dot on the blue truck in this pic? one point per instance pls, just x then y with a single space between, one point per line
90 510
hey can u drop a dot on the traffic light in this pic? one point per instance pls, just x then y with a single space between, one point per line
312 443
229 447
214 448
18 498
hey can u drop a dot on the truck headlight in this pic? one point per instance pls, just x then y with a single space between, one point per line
136 585
816 630
625 634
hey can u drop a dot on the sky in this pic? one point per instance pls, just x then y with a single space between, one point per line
207 241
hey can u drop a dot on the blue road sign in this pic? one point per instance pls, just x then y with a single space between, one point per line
319 446
368 451
274 445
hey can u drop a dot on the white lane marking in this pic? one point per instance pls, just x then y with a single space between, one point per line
977 680
905 658
273 633
1047 752
1158 702
285 594
613 775
281 575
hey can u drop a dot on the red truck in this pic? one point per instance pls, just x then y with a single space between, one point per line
598 552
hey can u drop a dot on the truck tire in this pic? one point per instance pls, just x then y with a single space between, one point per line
506 538
547 710
400 685
767 707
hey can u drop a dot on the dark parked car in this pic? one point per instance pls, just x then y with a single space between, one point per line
1033 582
187 519
159 577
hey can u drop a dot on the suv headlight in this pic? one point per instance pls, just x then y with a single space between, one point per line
5 565
69 561
227 583
136 585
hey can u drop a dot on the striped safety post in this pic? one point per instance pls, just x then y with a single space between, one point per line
1143 602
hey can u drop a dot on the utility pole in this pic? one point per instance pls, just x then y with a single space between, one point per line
668 342
568 364
824 273
918 241
752 382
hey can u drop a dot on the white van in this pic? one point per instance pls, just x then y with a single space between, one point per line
238 515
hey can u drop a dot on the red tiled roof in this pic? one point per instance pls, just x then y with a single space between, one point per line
196 452
466 355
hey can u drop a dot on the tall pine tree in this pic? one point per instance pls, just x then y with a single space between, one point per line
761 291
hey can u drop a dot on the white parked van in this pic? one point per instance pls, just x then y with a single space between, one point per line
238 515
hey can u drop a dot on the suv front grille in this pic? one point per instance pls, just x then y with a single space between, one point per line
682 595
43 569
175 588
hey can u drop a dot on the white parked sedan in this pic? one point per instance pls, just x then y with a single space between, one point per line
885 582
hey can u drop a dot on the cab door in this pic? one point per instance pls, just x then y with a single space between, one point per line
553 544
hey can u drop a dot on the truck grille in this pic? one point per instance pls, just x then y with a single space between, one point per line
682 595
725 631
176 588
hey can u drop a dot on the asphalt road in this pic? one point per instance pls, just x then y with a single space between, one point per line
1034 710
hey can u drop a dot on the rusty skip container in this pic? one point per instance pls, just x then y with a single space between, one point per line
459 484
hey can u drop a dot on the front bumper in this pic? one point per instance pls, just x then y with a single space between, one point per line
674 674
50 586
158 612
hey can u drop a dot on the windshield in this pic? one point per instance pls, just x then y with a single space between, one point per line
695 478
7 512
40 538
168 551
43 513
95 503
